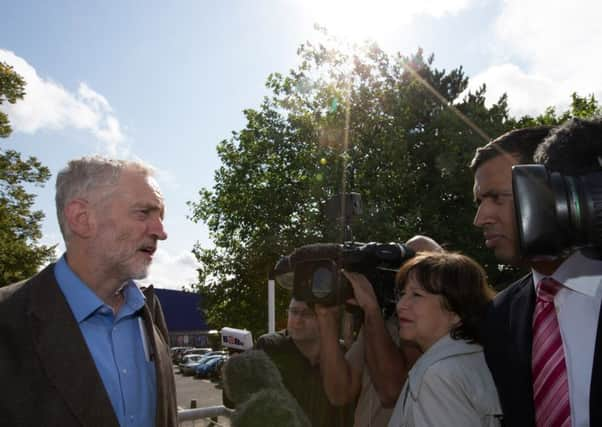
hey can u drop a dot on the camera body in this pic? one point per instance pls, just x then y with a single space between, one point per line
313 272
556 213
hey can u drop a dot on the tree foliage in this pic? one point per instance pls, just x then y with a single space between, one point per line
391 127
582 107
20 226
12 88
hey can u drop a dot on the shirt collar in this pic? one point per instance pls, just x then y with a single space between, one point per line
442 349
82 300
578 273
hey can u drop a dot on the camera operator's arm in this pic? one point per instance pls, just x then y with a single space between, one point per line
341 382
388 365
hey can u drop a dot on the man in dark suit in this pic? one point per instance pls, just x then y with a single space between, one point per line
508 330
80 344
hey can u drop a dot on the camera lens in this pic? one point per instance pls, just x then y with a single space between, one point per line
555 212
322 282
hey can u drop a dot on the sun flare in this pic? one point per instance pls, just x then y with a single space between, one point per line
358 20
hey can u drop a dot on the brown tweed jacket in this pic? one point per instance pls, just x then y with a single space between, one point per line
47 374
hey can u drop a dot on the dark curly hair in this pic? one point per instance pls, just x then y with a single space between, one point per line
575 148
461 282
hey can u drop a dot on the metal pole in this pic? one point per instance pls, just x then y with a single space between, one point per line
271 305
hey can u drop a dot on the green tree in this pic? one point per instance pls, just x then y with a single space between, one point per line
20 253
387 126
382 125
12 88
582 107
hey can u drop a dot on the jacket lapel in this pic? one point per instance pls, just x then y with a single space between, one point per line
64 355
521 318
521 315
157 344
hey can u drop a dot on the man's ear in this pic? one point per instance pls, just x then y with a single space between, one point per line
80 218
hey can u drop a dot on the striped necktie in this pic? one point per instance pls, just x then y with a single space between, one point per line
550 380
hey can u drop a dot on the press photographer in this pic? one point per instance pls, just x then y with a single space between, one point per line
329 275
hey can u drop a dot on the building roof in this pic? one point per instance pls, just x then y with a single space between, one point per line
182 310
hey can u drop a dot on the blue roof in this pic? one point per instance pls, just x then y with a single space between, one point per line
182 310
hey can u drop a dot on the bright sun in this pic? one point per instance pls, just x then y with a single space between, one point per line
358 20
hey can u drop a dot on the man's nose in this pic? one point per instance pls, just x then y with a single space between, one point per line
482 216
158 230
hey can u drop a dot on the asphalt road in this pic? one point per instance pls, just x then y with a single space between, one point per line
204 392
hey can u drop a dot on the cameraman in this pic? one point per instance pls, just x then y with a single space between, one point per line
296 352
376 365
512 335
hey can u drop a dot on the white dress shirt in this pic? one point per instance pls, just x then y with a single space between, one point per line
578 307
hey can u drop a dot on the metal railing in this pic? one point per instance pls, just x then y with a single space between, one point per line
210 413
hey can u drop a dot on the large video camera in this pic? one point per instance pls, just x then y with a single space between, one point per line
313 272
556 213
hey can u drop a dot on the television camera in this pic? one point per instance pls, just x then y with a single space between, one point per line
313 272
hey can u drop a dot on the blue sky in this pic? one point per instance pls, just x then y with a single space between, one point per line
166 83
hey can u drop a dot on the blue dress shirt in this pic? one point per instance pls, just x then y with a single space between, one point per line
118 344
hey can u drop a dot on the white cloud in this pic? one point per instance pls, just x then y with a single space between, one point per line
48 105
436 8
172 271
527 93
557 45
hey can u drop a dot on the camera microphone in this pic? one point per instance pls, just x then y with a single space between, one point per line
254 384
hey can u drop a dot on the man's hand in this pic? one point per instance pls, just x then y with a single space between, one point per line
420 243
327 313
328 322
363 291
341 383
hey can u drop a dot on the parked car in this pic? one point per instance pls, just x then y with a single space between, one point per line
215 353
176 353
178 356
194 350
189 362
205 365
215 374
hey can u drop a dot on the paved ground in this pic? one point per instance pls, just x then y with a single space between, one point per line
204 392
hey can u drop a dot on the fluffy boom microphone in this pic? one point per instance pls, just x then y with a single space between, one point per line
254 384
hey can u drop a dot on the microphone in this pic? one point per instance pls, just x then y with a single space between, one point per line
254 384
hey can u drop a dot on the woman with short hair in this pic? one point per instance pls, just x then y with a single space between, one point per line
441 299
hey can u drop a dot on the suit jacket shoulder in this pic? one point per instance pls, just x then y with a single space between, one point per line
506 335
41 349
45 363
506 297
277 344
